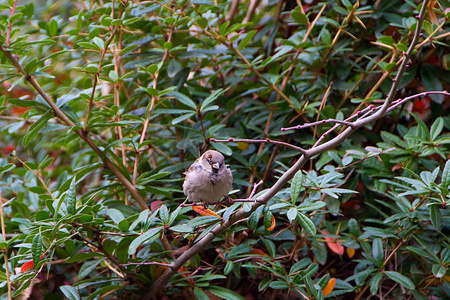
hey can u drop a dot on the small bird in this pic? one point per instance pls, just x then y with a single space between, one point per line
208 179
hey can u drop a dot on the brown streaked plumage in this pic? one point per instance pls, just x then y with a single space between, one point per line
208 179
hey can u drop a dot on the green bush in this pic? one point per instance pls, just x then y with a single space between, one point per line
104 105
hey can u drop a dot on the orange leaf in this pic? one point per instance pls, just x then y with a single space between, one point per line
258 251
333 244
431 13
204 211
159 270
350 252
272 226
28 265
329 288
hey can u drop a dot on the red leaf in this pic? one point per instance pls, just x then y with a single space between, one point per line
28 265
333 244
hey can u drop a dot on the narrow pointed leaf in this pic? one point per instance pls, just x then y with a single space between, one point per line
306 223
401 279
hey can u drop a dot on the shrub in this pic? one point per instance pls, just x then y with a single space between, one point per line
331 115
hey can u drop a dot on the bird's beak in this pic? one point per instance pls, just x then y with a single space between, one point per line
215 167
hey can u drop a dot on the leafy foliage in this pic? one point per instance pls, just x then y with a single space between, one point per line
104 105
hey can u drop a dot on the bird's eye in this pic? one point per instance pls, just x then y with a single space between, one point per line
210 160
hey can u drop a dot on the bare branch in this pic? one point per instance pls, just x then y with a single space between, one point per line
266 141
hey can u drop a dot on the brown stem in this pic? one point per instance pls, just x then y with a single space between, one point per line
9 26
5 250
94 85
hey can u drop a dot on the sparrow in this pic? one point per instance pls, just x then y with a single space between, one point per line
208 179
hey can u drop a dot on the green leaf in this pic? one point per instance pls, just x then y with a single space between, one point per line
70 292
311 206
279 285
83 256
347 4
247 38
212 97
377 251
52 27
142 238
183 99
292 214
223 28
99 42
36 249
353 227
36 127
296 186
22 103
228 267
71 199
375 283
446 176
401 279
299 265
306 223
268 219
123 225
88 45
224 293
182 118
200 294
21 288
88 267
436 128
222 148
104 290
435 215
153 68
116 215
393 139
28 10
299 17
439 270
122 250
164 214
387 40
202 22
253 220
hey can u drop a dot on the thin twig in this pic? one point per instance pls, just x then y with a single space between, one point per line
9 26
319 123
266 141
255 187
96 75
5 250
37 176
